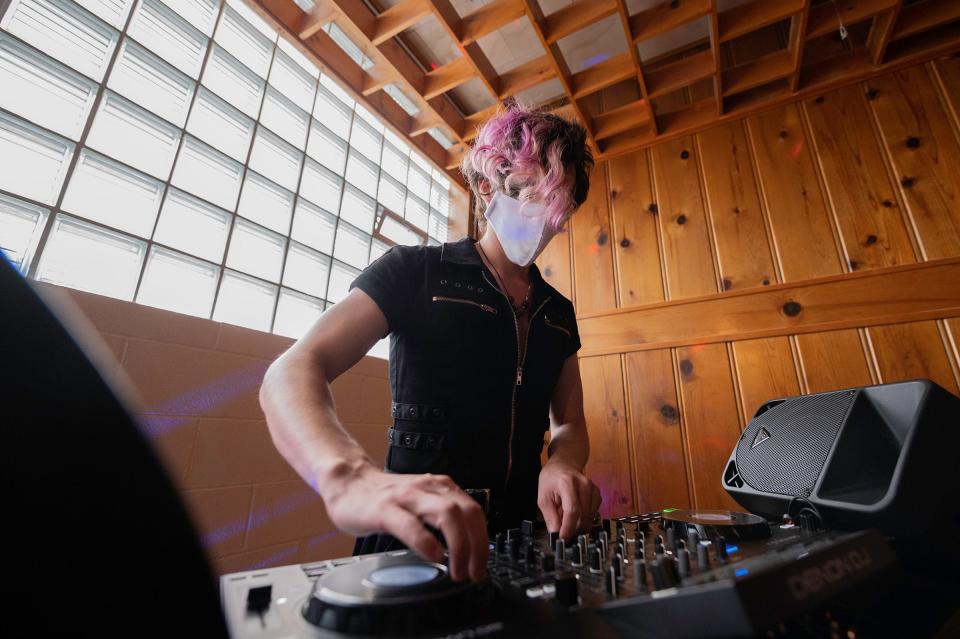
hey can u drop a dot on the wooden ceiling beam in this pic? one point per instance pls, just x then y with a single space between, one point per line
600 76
575 17
399 18
844 72
488 19
755 15
447 77
450 20
923 16
881 31
392 62
562 72
625 24
715 50
824 18
332 60
681 73
665 17
796 42
629 116
525 76
773 66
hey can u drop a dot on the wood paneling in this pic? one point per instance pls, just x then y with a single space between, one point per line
554 264
659 467
924 151
743 252
833 360
687 256
765 370
636 245
798 216
882 296
861 195
605 410
781 255
912 350
711 422
594 283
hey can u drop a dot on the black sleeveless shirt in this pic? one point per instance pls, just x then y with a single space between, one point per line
468 400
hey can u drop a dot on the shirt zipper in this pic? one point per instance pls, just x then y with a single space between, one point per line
547 321
519 379
486 307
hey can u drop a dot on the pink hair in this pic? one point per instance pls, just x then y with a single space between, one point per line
534 156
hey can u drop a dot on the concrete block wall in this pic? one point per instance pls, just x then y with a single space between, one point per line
198 382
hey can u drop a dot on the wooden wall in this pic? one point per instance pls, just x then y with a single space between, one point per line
689 231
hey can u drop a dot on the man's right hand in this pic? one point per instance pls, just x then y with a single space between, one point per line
363 499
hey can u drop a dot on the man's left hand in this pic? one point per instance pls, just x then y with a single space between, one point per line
567 498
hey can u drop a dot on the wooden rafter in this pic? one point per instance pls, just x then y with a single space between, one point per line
798 27
899 33
881 32
562 72
715 51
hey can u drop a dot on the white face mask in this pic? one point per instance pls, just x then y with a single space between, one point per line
523 234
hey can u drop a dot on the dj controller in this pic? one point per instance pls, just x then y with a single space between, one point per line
674 573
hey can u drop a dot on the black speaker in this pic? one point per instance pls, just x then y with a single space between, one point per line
884 456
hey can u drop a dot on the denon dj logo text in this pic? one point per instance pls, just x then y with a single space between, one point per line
813 580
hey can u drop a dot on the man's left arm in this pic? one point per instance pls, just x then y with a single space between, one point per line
566 497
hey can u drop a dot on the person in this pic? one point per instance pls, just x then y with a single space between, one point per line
482 362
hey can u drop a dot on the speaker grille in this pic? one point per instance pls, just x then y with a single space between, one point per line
783 450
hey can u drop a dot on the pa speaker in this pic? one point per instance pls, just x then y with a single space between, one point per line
883 456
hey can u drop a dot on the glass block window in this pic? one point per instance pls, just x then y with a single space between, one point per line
184 155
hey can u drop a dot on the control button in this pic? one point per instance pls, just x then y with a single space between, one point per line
703 558
513 548
618 566
530 554
547 562
595 560
560 548
554 536
683 562
565 587
721 545
639 574
526 528
693 539
611 581
500 543
577 556
513 533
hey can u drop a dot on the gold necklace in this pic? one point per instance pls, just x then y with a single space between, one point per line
519 310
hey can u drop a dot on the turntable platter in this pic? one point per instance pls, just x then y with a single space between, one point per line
396 595
711 524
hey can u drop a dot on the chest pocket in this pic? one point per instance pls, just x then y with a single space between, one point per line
462 315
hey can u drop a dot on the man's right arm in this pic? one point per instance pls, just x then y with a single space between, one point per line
361 498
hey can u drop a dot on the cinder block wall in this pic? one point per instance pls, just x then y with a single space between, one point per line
198 382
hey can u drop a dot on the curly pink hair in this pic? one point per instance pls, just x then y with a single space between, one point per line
534 156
